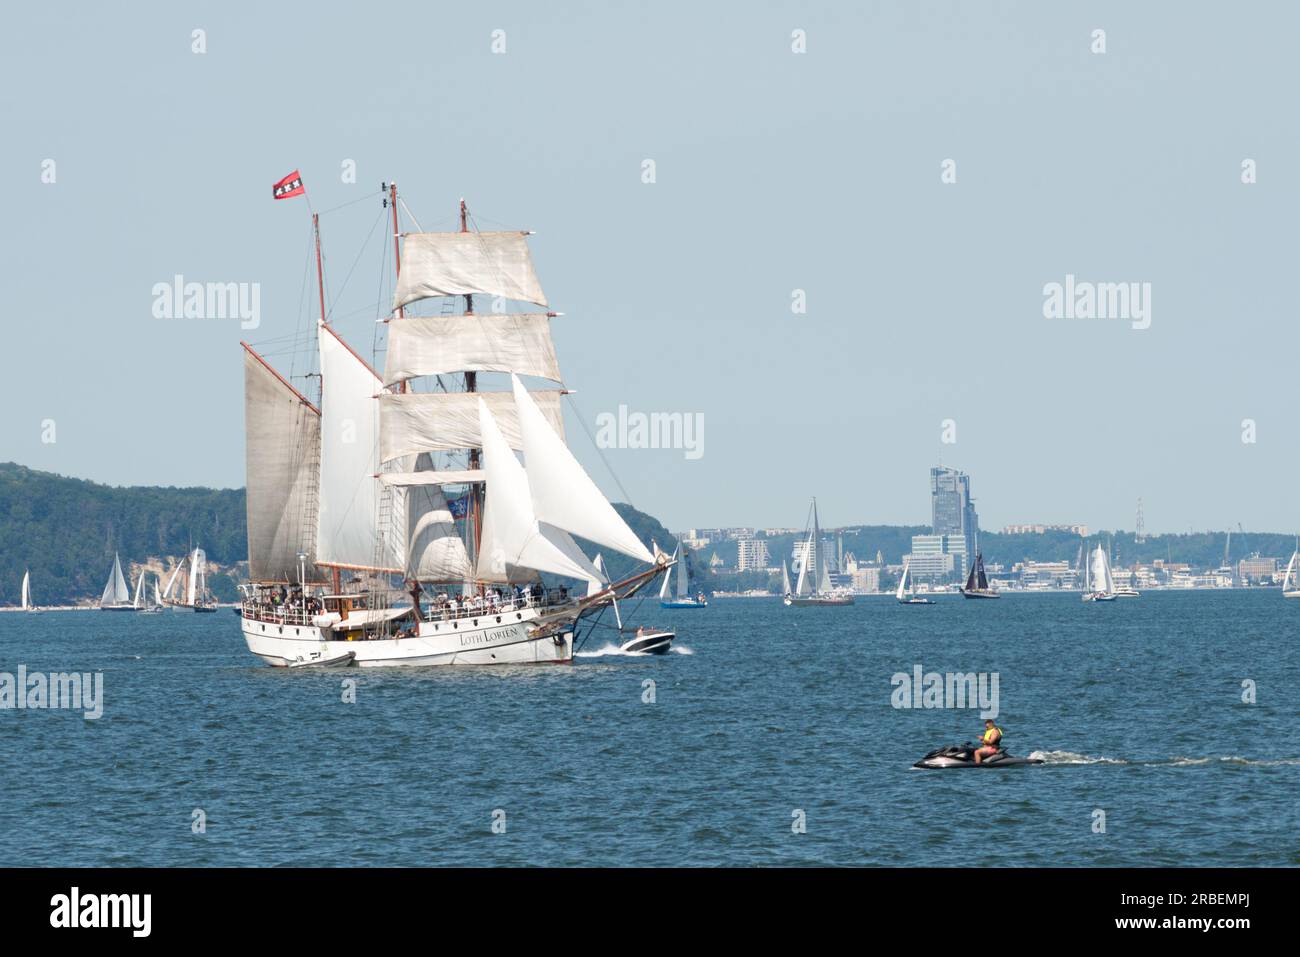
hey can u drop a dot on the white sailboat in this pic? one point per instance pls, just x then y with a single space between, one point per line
1290 585
683 597
27 592
376 507
785 578
152 607
198 597
906 597
815 564
116 596
1098 583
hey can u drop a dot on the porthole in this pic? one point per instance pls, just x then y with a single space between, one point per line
498 619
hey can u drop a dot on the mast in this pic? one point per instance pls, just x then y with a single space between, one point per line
320 289
474 513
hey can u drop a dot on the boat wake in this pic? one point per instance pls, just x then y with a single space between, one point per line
611 650
1070 757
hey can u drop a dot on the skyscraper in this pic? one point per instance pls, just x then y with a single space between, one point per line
952 512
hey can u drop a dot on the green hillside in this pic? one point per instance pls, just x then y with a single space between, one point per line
66 530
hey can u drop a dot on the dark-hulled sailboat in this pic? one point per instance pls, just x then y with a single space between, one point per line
977 583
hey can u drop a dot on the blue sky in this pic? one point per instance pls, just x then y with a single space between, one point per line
775 171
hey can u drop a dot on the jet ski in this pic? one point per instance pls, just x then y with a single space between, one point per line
963 756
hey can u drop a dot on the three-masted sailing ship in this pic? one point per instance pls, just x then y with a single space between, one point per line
977 583
411 473
814 584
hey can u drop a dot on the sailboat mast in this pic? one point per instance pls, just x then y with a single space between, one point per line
320 289
474 518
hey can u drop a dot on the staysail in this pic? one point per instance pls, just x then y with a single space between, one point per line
666 589
346 527
563 494
785 578
282 460
27 590
514 544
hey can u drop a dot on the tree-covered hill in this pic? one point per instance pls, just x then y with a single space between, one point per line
66 530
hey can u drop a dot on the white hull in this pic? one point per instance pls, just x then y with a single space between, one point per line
1291 594
487 640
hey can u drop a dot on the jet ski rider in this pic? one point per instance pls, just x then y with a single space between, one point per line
989 741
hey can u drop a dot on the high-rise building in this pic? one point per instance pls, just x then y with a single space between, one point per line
751 554
953 512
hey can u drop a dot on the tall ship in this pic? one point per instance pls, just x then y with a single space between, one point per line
814 583
977 583
391 522
117 595
683 598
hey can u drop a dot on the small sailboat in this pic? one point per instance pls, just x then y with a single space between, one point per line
683 599
906 597
1290 585
977 583
27 592
151 606
200 599
814 564
1098 584
117 596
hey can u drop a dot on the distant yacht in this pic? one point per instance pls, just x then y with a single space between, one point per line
805 591
27 592
117 596
683 599
906 597
1098 584
200 599
1290 586
977 583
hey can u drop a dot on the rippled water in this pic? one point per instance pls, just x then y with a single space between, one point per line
1136 705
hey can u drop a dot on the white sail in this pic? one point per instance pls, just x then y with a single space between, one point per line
416 422
683 579
346 526
282 459
596 586
157 595
803 586
666 588
902 583
432 477
116 591
563 494
512 543
454 264
1101 581
785 578
1289 579
171 582
823 577
139 590
27 590
434 548
198 576
487 342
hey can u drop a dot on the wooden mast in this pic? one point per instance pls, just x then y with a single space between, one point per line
475 516
335 578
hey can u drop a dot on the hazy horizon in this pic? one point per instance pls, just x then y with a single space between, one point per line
776 171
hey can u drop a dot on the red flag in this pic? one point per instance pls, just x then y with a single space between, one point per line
291 185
